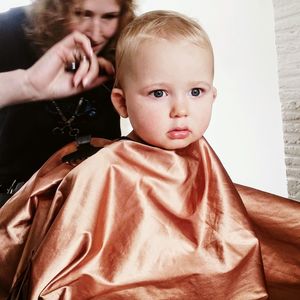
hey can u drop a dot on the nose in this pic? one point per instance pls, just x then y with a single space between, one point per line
179 109
95 31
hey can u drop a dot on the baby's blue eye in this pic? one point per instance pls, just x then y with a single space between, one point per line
195 92
158 93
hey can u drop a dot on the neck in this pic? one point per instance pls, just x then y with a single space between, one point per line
133 136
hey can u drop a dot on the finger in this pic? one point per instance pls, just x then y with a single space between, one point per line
77 39
92 74
106 67
72 46
96 82
82 71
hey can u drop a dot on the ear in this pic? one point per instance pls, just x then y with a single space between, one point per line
119 102
215 92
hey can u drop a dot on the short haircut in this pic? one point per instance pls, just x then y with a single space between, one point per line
153 25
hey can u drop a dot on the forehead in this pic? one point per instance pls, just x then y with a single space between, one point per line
161 53
159 60
101 5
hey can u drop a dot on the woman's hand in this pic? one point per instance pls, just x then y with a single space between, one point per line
48 77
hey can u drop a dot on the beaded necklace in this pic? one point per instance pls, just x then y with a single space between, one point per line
84 107
67 122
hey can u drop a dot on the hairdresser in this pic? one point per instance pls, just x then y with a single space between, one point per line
31 131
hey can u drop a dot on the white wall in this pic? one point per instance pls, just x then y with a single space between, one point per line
5 5
246 129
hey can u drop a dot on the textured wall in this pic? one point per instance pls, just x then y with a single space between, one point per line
287 28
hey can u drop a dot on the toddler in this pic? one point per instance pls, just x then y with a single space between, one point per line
153 215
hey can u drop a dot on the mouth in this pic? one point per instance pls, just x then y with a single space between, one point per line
97 46
179 133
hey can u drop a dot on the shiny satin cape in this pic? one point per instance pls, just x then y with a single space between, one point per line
139 222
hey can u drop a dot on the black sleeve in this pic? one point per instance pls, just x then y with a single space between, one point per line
15 49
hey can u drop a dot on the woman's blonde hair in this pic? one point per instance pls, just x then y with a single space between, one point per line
160 24
48 20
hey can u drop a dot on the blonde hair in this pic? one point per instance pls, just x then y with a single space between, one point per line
160 24
48 20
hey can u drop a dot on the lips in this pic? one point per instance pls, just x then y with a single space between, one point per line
179 133
97 46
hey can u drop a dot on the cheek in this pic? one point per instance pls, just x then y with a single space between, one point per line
110 29
143 118
202 120
76 26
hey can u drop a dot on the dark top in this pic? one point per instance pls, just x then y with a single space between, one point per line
27 135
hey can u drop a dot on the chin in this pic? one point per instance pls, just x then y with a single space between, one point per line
175 144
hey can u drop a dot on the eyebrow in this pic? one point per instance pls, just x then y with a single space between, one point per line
161 84
200 83
112 13
79 11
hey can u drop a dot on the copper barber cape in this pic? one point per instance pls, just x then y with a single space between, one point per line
139 222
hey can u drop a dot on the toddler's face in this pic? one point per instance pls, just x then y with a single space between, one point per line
169 93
